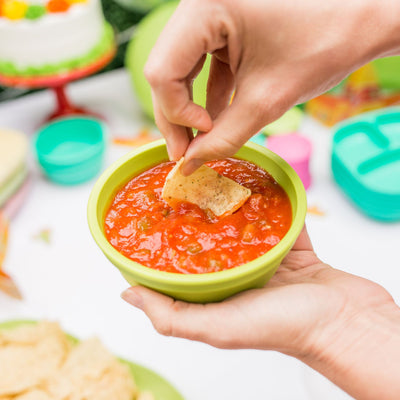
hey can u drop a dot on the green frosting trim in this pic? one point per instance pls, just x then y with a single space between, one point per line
35 11
104 45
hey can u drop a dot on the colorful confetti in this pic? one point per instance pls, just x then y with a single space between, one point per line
44 235
143 137
8 287
4 226
315 210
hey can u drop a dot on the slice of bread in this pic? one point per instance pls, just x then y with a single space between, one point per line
13 156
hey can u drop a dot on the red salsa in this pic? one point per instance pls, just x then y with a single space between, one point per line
187 239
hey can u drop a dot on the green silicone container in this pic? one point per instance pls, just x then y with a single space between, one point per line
199 288
366 162
71 150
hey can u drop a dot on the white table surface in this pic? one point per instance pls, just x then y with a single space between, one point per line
70 281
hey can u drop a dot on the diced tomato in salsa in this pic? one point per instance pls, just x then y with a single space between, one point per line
187 239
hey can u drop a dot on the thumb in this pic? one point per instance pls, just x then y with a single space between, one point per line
174 318
249 112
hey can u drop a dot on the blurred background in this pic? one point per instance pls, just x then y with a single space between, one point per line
123 16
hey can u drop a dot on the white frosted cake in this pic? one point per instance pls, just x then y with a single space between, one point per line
46 37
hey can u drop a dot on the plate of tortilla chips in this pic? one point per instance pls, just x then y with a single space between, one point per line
38 361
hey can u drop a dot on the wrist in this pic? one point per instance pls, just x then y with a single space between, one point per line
361 354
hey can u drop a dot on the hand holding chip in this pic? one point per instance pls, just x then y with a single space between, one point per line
324 317
273 54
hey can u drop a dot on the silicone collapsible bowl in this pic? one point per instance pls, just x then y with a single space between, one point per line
195 287
366 162
295 149
287 123
387 70
70 150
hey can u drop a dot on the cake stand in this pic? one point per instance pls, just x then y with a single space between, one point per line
57 83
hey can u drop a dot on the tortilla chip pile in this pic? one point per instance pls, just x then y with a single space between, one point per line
206 188
39 362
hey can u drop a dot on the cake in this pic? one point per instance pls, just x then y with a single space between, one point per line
50 37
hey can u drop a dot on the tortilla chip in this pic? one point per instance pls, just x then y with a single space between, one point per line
28 355
92 373
39 362
35 394
206 188
145 396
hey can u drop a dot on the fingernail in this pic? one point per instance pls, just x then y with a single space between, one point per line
133 298
189 167
171 155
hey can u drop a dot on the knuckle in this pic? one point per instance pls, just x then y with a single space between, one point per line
164 327
224 146
268 103
169 324
222 340
219 146
179 115
221 343
153 72
174 114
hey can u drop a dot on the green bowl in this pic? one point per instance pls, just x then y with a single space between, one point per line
70 150
199 288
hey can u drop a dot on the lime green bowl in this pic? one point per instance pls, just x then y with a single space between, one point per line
199 288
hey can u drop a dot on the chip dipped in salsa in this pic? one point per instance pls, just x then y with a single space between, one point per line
186 239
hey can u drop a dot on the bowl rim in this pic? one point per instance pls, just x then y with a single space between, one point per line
126 265
89 152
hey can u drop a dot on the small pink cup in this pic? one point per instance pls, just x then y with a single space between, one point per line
296 151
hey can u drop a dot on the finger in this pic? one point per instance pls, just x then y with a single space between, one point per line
175 102
176 136
219 87
171 62
201 322
302 254
257 102
234 126
196 70
303 242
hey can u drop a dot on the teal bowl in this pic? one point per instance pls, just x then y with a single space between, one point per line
71 150
199 288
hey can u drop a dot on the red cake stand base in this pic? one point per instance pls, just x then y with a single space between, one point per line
64 106
58 82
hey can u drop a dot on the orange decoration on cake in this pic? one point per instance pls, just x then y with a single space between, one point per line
55 6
